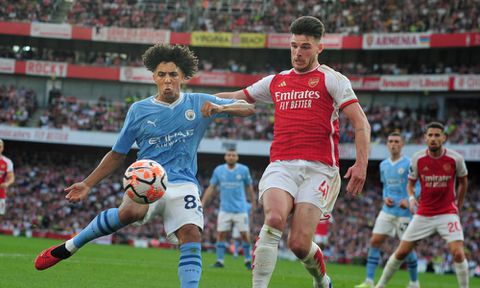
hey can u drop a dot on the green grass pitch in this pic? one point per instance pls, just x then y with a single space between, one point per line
122 266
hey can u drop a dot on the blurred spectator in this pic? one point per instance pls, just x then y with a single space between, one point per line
17 105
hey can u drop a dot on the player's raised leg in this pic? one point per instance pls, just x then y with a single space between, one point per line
304 221
105 223
277 205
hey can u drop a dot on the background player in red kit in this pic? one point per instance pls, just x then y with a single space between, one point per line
302 178
438 169
6 179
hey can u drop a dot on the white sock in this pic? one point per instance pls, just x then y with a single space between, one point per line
314 263
461 269
393 264
70 246
265 255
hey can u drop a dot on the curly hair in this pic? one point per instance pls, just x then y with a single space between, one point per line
180 55
308 25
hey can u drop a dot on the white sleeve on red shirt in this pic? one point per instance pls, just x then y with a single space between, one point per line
461 167
339 87
260 90
413 170
9 164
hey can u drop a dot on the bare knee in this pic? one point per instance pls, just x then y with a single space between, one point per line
189 233
376 241
458 255
131 212
275 220
299 246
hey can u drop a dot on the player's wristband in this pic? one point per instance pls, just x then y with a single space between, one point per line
411 198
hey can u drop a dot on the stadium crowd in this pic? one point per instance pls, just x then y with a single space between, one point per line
17 104
347 17
36 203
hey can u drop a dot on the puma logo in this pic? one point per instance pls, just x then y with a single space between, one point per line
152 123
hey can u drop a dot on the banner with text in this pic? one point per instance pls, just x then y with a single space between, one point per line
248 40
135 74
46 68
414 83
207 39
396 41
282 41
7 66
51 30
467 83
131 35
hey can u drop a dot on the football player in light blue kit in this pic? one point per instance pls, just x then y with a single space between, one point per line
395 214
233 180
167 128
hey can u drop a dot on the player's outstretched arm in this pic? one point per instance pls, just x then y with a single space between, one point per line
358 172
238 108
239 94
109 163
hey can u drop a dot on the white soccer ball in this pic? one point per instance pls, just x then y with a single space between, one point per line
145 181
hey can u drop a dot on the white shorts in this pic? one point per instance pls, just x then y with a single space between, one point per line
2 206
447 225
320 239
391 225
307 181
236 232
226 221
181 205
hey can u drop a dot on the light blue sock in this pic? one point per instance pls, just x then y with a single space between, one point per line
220 248
246 251
412 266
105 223
236 244
190 265
372 262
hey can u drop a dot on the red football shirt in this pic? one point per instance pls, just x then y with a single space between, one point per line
437 178
306 112
6 166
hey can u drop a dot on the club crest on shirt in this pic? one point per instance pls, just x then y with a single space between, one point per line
190 114
239 177
312 82
447 167
425 169
400 170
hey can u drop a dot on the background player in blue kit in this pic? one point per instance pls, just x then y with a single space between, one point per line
167 128
395 214
233 180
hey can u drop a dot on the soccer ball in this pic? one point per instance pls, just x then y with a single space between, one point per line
145 181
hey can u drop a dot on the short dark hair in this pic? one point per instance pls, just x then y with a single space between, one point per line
178 54
437 125
396 134
308 25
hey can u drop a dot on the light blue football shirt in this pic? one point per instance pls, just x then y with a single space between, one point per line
394 176
168 133
231 183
